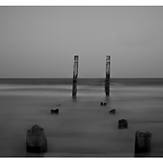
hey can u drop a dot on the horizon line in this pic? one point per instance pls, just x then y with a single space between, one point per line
81 78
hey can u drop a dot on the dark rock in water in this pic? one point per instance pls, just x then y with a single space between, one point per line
36 141
122 124
103 103
54 111
113 111
142 143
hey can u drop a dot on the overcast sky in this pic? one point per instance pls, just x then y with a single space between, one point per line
41 41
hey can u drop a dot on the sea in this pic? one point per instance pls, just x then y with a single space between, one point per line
83 128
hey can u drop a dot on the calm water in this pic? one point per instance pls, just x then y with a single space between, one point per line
83 128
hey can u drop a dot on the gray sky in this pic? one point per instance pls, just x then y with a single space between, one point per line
41 41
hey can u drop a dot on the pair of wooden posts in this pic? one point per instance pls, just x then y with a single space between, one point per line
75 76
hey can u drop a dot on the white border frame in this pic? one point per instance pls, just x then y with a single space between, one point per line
81 2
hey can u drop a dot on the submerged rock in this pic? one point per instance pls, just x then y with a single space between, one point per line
54 111
122 124
103 103
113 111
36 141
142 143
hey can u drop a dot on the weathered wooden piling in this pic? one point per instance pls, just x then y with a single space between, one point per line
54 111
107 79
75 76
122 124
36 141
142 143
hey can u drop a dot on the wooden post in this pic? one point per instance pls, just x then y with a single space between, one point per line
36 141
75 76
107 80
142 144
122 124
